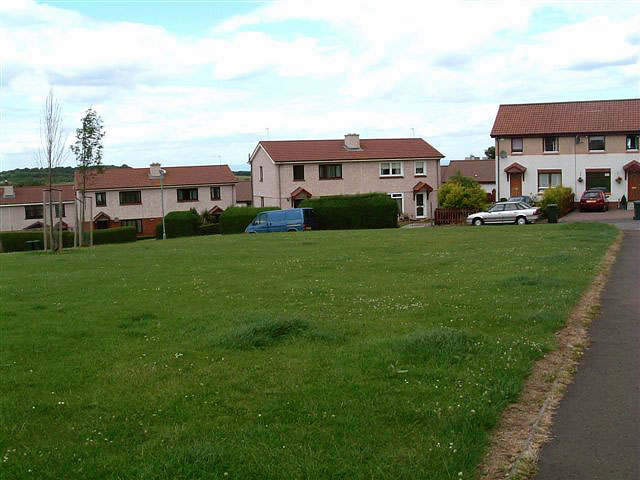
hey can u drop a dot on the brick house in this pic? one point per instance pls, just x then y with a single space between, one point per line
579 145
132 196
21 207
283 173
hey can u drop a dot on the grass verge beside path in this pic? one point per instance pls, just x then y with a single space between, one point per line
360 354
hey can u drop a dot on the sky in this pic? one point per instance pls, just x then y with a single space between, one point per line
201 82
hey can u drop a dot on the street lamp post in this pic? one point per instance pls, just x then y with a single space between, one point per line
164 229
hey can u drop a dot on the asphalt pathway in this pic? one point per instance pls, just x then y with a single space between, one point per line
596 432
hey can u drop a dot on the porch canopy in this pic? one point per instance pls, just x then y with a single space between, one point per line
515 167
632 166
422 187
300 193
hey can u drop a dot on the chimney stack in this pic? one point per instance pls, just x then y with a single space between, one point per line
352 141
8 191
154 170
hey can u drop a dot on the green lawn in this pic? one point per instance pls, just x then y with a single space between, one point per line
342 354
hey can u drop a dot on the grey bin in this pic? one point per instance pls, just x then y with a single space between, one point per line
636 210
33 245
552 213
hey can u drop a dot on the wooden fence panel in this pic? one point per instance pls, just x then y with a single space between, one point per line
452 216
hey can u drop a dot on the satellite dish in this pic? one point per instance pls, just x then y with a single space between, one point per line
503 154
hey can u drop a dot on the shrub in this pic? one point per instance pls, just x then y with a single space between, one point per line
179 224
462 192
17 241
345 212
209 229
561 196
236 219
112 235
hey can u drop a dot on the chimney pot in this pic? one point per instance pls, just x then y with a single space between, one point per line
352 141
154 170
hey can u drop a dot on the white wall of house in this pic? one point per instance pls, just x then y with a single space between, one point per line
265 189
12 217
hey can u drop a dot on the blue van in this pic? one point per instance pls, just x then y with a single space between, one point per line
291 220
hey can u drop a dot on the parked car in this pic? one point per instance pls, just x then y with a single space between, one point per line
523 199
506 212
594 199
291 220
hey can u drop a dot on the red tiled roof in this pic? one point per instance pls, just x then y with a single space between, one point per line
482 171
244 192
34 194
175 176
597 116
515 167
282 151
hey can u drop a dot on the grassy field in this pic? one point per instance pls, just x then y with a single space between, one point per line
343 354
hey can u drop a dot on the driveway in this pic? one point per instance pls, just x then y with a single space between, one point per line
596 431
623 219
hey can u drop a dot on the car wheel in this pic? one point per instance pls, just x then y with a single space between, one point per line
521 221
292 230
477 222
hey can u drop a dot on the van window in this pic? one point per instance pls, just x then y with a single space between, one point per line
260 219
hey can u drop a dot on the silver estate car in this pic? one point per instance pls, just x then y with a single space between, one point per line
506 212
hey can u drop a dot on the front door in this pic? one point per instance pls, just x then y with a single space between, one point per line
516 184
420 205
633 186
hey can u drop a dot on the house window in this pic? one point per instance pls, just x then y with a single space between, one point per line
102 224
596 143
215 193
330 171
549 179
262 201
187 194
419 170
57 207
516 145
550 144
137 224
130 197
391 169
399 198
101 199
632 142
298 172
598 177
261 175
32 211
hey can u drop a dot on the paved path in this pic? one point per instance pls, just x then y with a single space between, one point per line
623 219
596 433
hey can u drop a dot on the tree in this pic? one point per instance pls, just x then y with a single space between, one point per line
88 152
52 150
490 153
462 192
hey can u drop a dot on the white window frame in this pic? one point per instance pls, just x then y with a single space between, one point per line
424 206
424 168
604 140
544 144
514 151
399 195
390 168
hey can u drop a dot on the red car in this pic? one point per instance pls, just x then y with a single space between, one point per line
593 200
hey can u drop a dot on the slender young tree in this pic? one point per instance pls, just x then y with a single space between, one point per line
88 152
51 152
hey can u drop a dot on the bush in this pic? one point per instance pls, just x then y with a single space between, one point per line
236 219
209 229
179 224
17 241
462 192
111 235
346 212
561 196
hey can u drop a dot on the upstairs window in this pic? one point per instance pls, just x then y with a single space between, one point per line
632 142
215 193
550 144
187 194
420 170
33 211
596 143
330 171
391 169
516 145
130 197
101 199
261 175
298 172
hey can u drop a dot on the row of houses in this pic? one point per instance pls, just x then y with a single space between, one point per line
580 145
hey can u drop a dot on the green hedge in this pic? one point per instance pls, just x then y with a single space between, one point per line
179 224
345 212
561 196
16 241
111 235
209 229
236 219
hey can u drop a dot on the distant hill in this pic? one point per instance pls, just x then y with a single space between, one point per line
23 177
